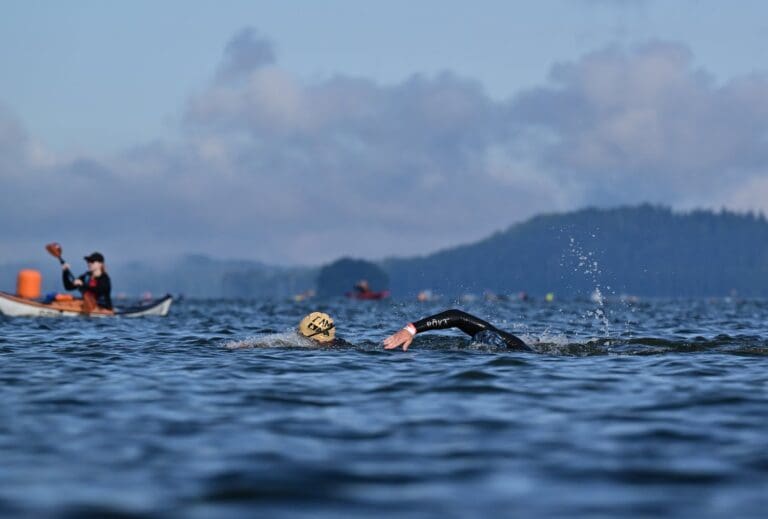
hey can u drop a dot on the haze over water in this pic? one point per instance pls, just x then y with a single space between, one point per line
657 409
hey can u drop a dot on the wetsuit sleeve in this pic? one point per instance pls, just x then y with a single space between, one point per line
468 324
68 278
453 318
513 341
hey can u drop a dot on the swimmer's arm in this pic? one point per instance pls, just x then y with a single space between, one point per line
467 323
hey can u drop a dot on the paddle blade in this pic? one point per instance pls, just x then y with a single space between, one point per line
54 249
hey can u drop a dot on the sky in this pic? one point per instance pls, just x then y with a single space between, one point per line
295 133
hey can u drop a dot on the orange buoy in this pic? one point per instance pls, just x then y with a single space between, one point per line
28 284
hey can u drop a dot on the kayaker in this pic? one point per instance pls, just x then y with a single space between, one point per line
362 287
480 330
95 284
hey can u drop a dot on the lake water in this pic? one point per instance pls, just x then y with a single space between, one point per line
649 409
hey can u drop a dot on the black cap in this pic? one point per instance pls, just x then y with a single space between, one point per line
95 256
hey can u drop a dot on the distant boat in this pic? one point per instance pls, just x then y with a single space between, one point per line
369 295
363 292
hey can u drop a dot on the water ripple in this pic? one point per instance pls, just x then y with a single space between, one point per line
223 410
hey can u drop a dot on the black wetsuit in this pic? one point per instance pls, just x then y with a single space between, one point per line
101 287
480 330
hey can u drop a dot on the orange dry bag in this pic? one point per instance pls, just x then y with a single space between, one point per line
28 284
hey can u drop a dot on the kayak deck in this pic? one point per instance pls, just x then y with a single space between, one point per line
14 306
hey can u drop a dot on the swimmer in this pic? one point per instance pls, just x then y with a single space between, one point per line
480 331
319 327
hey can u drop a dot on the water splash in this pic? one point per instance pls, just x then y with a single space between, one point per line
290 339
589 266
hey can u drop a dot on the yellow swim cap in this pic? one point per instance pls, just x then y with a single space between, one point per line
318 326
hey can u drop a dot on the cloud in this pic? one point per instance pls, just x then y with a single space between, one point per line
644 123
363 158
278 168
244 53
14 145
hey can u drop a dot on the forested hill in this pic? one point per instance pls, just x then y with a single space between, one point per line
645 250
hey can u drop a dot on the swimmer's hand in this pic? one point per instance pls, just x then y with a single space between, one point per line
402 338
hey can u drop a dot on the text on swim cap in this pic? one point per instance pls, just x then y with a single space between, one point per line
320 325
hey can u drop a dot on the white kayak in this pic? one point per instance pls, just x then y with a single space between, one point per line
17 307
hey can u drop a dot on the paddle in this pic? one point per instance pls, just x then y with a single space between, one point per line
55 250
89 300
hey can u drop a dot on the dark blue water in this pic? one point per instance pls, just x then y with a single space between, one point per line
654 409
